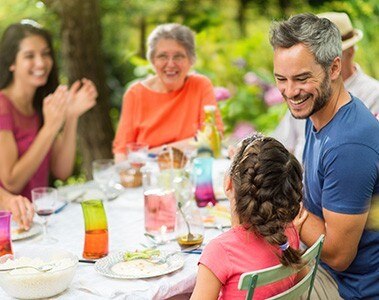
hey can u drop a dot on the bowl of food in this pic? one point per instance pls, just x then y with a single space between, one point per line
38 272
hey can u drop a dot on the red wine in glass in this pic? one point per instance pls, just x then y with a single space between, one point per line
44 212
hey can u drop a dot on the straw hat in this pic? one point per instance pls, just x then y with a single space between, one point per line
350 36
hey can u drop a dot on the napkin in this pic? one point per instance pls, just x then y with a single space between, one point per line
114 289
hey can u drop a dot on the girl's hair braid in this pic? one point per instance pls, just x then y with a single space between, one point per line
267 181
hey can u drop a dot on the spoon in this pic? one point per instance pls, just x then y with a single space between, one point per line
157 241
43 268
190 236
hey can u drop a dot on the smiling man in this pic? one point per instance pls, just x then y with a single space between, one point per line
341 155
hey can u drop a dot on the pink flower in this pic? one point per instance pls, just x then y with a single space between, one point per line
272 96
221 93
240 63
251 78
242 130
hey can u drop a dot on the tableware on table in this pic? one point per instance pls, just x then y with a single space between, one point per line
87 261
219 168
130 169
217 216
159 201
20 234
103 173
171 158
44 199
130 174
189 227
137 153
5 233
115 266
202 176
50 272
208 135
96 229
43 268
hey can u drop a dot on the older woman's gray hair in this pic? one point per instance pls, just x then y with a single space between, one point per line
179 33
319 35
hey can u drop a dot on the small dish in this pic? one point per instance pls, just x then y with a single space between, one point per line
114 266
20 234
217 216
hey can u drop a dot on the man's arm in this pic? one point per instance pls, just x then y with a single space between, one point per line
342 235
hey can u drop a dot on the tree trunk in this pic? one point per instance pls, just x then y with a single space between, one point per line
241 16
82 57
142 38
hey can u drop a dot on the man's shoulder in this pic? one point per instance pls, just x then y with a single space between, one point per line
354 124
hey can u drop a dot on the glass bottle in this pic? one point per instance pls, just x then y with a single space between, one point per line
210 130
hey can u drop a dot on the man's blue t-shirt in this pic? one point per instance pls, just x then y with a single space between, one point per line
341 174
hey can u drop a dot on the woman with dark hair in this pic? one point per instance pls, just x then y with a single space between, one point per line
264 187
38 118
168 107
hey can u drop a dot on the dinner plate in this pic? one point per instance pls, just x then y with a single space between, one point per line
19 234
216 216
114 266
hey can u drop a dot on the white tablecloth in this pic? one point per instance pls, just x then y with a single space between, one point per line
126 231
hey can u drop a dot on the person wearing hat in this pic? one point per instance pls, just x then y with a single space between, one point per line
291 131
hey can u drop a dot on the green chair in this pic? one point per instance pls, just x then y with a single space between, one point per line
250 280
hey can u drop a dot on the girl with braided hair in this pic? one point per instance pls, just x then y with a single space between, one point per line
264 187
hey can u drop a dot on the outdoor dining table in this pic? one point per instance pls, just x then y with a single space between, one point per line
125 216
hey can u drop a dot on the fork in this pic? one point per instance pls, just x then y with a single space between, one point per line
163 259
43 268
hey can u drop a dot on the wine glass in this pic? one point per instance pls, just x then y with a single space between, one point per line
103 173
44 199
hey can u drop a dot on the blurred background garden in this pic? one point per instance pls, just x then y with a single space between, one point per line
105 40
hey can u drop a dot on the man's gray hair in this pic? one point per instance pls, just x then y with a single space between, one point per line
172 31
319 35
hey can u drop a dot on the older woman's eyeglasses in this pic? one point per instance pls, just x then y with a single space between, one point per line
164 58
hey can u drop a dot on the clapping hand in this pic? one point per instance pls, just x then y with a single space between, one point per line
54 108
82 97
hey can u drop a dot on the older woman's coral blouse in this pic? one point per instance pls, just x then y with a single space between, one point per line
161 118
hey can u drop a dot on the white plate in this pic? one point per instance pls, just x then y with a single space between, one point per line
114 266
16 234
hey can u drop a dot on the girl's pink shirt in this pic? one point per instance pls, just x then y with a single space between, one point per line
238 251
24 129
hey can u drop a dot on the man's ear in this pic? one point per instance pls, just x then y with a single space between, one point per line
335 69
12 68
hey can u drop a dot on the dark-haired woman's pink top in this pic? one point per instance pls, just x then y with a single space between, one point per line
24 129
238 251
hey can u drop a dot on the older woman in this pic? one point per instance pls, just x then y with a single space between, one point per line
167 107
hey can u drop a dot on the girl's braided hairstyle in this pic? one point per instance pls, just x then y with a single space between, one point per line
267 181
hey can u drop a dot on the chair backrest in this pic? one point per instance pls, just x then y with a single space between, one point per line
250 280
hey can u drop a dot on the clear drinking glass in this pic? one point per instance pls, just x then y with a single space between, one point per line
103 173
160 202
44 199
